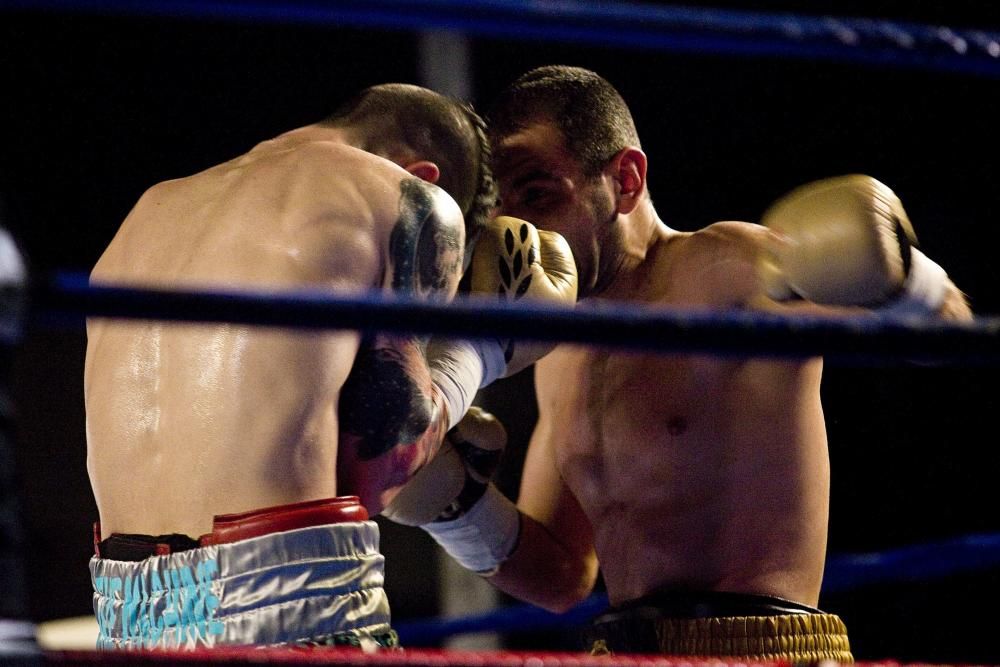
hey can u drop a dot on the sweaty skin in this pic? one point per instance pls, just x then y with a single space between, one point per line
188 421
692 472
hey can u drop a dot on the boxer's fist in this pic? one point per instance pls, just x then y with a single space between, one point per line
457 477
842 241
514 260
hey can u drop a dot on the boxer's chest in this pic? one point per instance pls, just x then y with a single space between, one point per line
628 418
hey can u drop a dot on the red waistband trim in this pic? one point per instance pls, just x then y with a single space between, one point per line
244 525
265 521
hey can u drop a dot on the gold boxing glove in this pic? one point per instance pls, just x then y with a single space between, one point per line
848 241
514 260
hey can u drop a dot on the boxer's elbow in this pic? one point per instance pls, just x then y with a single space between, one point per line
575 583
546 572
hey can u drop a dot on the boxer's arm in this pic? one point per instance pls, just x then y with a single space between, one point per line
512 259
554 564
475 523
541 553
953 303
392 416
728 259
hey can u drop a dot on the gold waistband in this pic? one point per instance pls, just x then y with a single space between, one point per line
798 638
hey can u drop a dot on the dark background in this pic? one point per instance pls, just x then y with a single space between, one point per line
94 109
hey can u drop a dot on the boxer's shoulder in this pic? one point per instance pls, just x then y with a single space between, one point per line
728 236
713 266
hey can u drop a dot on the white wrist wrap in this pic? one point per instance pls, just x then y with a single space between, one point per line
460 367
457 372
491 353
924 290
482 538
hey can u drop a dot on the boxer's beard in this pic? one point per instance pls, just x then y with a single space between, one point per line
610 252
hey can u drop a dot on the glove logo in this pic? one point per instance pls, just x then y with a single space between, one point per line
514 267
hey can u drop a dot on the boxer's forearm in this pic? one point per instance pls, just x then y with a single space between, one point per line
544 572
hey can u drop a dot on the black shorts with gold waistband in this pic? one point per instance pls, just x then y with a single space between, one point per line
713 624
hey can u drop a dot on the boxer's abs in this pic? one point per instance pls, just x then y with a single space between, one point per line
689 484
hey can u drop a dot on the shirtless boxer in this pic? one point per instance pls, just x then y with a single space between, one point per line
217 452
699 483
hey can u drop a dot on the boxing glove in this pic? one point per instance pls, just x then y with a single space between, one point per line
452 498
514 260
848 241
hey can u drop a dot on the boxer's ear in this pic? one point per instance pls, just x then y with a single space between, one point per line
424 170
628 170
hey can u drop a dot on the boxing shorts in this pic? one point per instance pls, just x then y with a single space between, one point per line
306 574
713 624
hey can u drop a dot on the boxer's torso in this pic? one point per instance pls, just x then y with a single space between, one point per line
695 471
188 421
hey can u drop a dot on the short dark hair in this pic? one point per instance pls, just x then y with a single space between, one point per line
594 120
392 118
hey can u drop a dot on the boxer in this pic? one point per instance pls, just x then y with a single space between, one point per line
235 468
698 484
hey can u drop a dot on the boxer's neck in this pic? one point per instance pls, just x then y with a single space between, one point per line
310 133
638 232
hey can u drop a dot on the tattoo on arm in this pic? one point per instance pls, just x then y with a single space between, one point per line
382 404
426 251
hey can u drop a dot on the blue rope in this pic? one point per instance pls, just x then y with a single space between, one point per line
920 562
869 339
845 572
514 618
620 24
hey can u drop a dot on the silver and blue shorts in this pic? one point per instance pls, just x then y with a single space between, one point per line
305 586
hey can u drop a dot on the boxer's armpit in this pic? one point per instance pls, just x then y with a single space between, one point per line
382 404
426 250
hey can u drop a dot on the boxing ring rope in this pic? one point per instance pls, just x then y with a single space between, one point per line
868 338
632 25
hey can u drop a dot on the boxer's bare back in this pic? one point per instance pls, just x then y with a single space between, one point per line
187 421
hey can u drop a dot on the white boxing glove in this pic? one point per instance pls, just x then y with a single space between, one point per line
452 498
